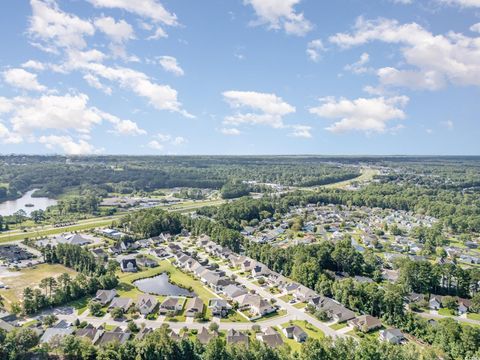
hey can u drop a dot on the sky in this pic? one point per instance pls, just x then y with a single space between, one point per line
250 77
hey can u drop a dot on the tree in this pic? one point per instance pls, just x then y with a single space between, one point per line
213 327
116 313
95 308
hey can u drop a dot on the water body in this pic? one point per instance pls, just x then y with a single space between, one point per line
12 206
161 285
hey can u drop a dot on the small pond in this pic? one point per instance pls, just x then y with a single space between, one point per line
25 203
161 285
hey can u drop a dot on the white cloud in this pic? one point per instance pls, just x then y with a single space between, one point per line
117 31
158 34
314 49
94 82
403 2
128 127
280 14
461 3
7 137
34 65
156 145
163 140
150 9
68 145
162 97
230 131
269 108
170 64
475 27
301 131
367 115
359 67
22 79
434 60
55 28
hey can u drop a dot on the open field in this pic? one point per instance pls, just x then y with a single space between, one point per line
367 175
19 280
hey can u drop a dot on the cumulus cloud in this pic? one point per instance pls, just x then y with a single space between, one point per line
61 113
54 28
118 31
170 64
34 65
95 82
359 67
314 49
151 9
301 131
22 79
230 131
269 109
280 14
367 115
160 141
68 145
461 3
434 60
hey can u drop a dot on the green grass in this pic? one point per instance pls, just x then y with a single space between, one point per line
272 315
29 323
30 277
473 317
286 297
234 316
300 305
311 330
446 312
81 305
338 326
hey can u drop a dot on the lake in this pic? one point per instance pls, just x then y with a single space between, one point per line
161 285
12 206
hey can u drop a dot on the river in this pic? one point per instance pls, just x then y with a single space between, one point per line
12 206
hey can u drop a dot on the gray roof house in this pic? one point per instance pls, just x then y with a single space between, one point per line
105 296
194 306
393 336
146 303
122 303
171 303
295 332
128 265
270 337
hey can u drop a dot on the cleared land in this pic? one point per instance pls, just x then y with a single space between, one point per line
19 280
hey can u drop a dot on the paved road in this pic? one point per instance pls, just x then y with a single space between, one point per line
458 318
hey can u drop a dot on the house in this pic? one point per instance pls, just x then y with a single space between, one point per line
122 303
204 336
332 308
256 304
105 296
295 332
235 337
6 326
142 333
435 302
146 303
260 270
89 332
365 323
463 305
414 298
76 239
194 306
99 254
219 307
232 291
393 336
302 293
59 330
117 335
271 338
146 262
215 280
128 265
118 248
171 304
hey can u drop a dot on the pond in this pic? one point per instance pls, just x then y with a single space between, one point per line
39 203
161 285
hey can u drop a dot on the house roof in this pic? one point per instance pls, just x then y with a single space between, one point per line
204 336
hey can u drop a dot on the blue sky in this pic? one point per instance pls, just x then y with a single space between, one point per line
240 77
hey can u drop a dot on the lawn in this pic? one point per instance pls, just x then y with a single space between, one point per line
81 305
30 277
311 330
473 317
272 315
300 305
446 312
234 316
286 297
338 326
